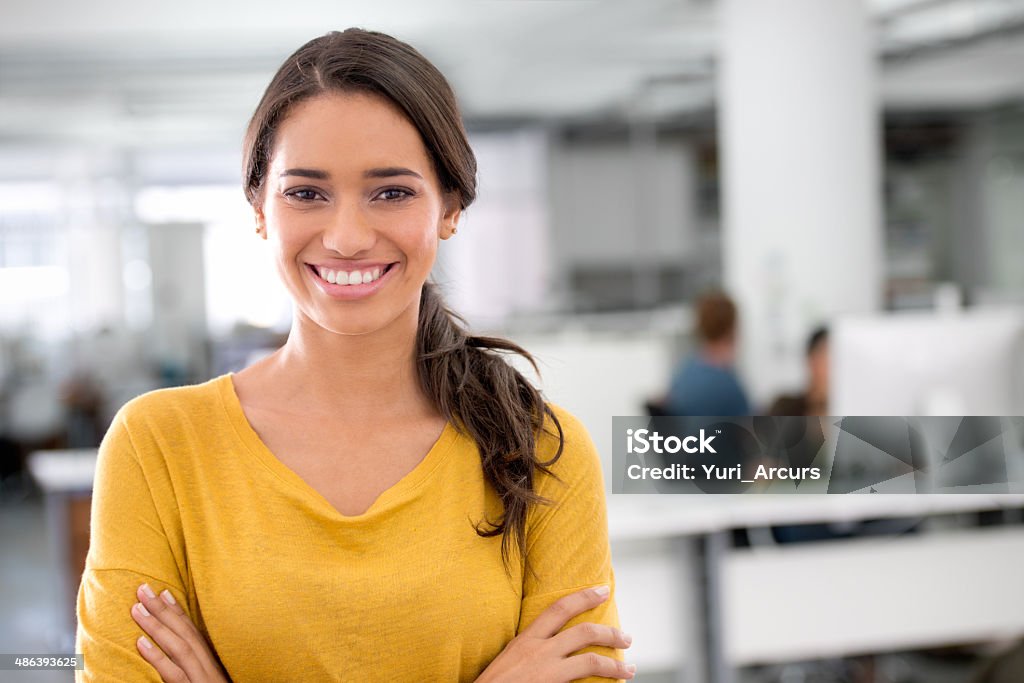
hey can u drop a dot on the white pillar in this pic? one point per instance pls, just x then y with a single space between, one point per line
798 122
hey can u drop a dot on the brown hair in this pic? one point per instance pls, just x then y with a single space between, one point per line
469 383
716 316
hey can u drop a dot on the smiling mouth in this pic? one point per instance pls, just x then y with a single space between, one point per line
350 278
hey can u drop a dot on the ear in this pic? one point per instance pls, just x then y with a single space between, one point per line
261 222
450 219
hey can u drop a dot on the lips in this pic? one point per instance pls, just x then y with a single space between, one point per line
350 275
348 292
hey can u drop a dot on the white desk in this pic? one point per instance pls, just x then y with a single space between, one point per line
64 471
841 597
634 516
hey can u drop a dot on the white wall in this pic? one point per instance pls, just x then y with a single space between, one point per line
612 204
499 262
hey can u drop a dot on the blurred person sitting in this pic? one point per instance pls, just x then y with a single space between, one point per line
813 402
706 382
814 399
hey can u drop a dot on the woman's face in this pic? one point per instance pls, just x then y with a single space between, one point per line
353 210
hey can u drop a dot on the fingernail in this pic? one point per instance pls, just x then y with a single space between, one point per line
168 598
602 590
142 609
148 591
628 638
631 668
145 642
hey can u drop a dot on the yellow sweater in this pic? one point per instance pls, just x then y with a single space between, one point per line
286 588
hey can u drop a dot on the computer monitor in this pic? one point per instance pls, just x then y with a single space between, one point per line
967 362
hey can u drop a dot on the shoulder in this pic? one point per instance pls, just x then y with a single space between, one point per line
572 429
719 376
698 372
687 366
579 462
574 491
155 433
161 408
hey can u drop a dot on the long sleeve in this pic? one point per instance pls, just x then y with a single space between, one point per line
567 542
128 546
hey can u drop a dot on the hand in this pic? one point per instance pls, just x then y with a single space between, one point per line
541 653
188 659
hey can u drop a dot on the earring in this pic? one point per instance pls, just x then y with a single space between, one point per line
454 230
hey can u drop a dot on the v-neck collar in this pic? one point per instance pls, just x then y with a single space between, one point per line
399 491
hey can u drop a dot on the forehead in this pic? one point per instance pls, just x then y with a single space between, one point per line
347 132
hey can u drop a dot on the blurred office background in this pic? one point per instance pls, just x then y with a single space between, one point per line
851 163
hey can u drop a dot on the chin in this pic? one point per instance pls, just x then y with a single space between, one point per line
358 323
351 328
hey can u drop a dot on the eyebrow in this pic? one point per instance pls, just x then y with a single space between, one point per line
390 171
386 172
306 173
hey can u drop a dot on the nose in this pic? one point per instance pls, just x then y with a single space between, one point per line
349 230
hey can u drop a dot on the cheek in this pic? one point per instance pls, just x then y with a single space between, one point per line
419 237
285 246
427 244
287 232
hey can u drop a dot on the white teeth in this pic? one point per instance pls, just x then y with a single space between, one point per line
327 274
353 277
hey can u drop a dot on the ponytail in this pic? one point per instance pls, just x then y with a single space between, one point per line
496 406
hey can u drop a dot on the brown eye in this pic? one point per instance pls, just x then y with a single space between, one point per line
303 195
393 194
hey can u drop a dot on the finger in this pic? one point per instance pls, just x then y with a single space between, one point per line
550 621
168 670
175 607
176 648
171 615
170 612
593 664
583 635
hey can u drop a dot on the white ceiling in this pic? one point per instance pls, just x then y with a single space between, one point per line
127 74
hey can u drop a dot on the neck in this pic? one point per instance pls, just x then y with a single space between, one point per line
718 353
817 391
366 378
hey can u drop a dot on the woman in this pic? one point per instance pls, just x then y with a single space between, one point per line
383 498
